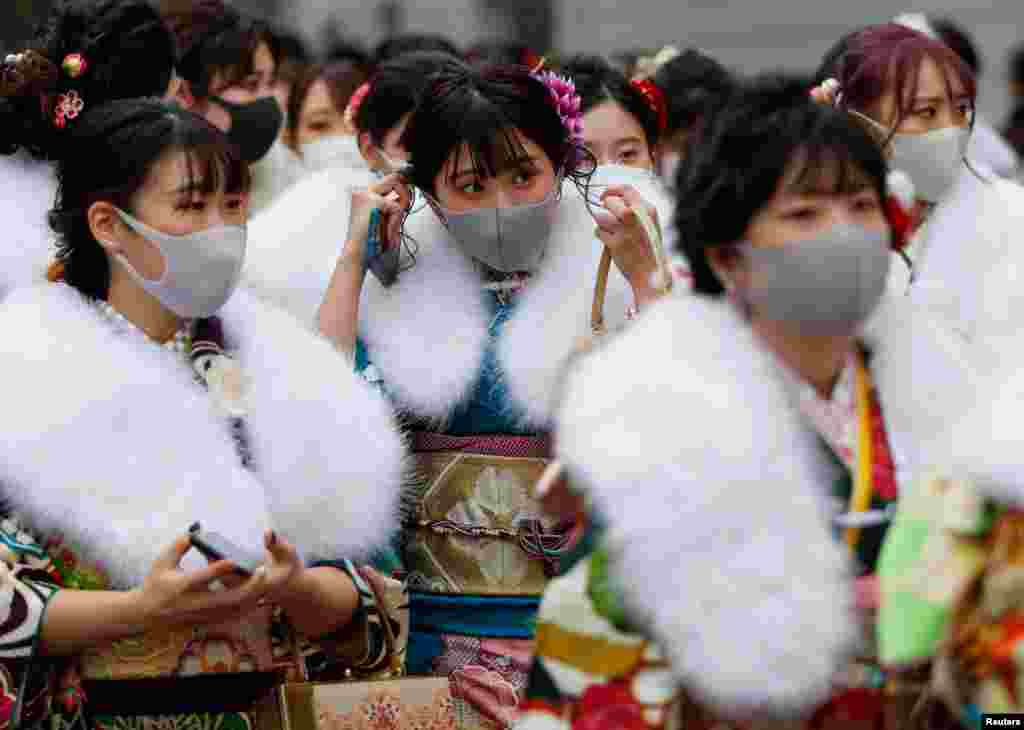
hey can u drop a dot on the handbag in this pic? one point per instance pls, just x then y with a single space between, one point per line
372 695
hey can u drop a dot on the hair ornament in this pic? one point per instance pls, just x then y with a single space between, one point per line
899 207
74 65
356 101
655 99
647 66
69 106
828 92
567 103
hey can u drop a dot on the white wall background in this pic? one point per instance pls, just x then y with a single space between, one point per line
748 35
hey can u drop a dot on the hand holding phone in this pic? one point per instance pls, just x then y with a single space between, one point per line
214 546
382 256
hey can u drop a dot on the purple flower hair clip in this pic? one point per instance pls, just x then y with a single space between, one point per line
567 103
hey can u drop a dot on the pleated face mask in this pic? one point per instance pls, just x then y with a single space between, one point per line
827 285
505 238
201 270
933 160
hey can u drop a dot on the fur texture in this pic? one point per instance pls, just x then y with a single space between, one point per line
428 332
926 377
294 245
29 191
971 267
111 443
683 431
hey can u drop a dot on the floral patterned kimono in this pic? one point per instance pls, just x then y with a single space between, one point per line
161 409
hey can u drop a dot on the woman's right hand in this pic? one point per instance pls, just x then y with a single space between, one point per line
392 197
171 597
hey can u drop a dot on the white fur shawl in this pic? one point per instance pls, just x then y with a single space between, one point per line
26 245
970 269
683 430
427 333
294 244
108 439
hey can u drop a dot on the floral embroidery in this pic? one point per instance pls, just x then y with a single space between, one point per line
383 710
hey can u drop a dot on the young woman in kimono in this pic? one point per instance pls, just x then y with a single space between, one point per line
623 125
295 277
94 51
917 96
130 418
719 549
469 343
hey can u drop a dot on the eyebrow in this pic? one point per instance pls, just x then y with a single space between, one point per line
520 162
196 186
629 140
939 99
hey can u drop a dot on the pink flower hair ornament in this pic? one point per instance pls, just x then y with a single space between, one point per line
69 106
567 103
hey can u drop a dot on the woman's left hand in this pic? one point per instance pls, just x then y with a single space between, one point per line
625 235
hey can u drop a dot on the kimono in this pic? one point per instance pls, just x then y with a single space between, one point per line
719 471
949 571
473 367
114 448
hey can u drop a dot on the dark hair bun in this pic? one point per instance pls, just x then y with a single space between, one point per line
128 54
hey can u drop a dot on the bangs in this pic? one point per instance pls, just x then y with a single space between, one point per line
827 169
906 73
489 155
213 166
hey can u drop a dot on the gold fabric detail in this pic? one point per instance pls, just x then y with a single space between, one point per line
487 495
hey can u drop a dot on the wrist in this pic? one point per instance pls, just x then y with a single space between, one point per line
137 613
354 251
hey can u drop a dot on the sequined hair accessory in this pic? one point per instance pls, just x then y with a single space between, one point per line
356 101
655 99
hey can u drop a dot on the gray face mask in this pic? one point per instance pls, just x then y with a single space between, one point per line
828 285
507 239
932 160
201 270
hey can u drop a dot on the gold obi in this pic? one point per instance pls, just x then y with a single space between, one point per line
474 527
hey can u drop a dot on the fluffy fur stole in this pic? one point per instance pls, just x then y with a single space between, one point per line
110 442
682 429
27 245
294 245
427 333
970 267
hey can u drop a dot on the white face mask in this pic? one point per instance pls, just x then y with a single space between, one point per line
932 160
336 150
670 163
201 270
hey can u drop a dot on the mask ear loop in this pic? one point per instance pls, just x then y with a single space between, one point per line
408 245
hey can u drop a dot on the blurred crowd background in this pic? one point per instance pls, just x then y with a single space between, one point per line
745 34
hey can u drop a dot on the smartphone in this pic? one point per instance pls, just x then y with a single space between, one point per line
215 546
382 260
